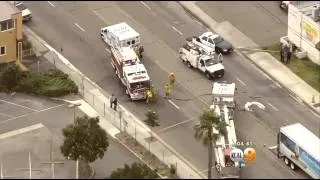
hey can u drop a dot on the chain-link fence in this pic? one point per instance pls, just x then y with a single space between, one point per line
122 119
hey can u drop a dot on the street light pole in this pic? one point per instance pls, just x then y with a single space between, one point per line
74 110
74 120
1 173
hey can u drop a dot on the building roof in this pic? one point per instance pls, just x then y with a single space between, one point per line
7 10
306 7
304 138
122 31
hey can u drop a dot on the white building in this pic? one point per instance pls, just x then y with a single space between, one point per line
304 27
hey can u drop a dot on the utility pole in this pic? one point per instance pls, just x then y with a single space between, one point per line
52 162
30 168
1 173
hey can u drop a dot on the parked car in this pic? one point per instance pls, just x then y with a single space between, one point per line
217 42
26 13
284 5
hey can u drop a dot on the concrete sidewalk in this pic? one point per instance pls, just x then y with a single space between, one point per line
263 60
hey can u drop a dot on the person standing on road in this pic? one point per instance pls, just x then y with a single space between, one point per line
167 89
149 96
115 104
111 100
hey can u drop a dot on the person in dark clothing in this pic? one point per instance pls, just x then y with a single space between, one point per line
115 103
288 57
281 54
111 100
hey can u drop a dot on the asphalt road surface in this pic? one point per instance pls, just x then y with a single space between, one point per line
23 111
262 21
74 26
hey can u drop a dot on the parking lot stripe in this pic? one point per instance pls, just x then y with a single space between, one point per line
24 115
21 131
18 105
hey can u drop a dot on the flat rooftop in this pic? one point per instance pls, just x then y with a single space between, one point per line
7 9
306 7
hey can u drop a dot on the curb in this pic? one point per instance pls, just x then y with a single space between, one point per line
243 54
288 89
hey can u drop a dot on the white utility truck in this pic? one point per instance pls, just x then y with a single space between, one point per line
121 35
299 147
208 63
196 41
131 72
224 106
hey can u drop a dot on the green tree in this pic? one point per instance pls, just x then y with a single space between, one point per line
136 171
84 140
11 76
204 132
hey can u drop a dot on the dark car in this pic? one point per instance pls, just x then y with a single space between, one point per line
216 41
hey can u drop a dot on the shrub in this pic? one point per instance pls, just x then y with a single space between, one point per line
52 83
11 76
26 44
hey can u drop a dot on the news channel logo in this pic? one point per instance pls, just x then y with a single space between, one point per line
247 156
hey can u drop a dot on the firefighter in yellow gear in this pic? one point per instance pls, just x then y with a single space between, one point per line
154 93
149 96
168 90
172 79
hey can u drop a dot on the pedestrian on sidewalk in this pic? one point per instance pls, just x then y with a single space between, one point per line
111 100
288 57
285 53
115 103
282 53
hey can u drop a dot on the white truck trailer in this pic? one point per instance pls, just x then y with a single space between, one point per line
299 147
209 64
131 72
224 106
121 35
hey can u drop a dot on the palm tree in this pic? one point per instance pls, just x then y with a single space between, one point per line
204 132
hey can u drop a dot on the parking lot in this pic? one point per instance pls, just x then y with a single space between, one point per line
31 125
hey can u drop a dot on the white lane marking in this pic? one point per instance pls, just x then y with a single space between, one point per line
79 27
174 28
103 19
51 4
145 5
175 125
24 115
240 81
18 105
273 147
21 131
171 102
276 109
2 114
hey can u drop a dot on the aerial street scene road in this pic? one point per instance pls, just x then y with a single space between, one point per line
160 89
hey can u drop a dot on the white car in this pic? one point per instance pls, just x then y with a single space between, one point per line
216 41
26 13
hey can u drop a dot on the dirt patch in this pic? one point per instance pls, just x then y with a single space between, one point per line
150 159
